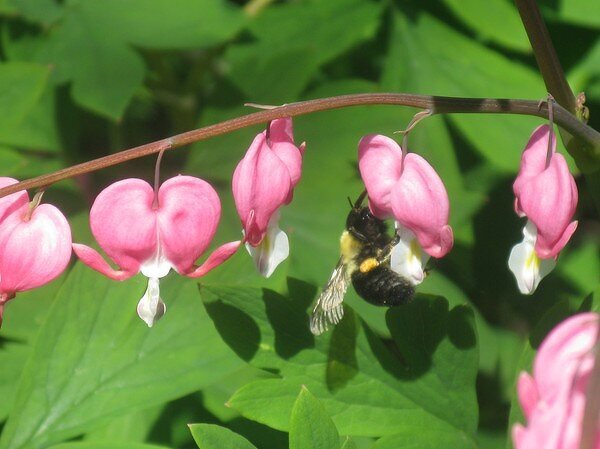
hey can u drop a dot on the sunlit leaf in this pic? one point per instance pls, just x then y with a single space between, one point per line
310 426
94 359
210 436
358 380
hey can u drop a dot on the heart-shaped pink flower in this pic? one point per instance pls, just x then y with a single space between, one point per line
408 189
141 232
545 193
35 244
263 182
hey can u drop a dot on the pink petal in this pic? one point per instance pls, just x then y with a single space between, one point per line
12 202
549 200
261 185
518 435
533 162
124 223
34 252
565 352
533 159
420 202
380 164
188 215
528 394
217 257
94 260
281 130
546 427
281 137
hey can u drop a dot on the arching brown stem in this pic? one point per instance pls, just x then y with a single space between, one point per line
437 105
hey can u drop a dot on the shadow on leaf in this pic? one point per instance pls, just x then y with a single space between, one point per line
342 365
238 330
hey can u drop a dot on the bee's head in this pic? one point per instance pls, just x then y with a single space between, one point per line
362 224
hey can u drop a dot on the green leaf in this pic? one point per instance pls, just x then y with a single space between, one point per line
499 348
461 67
421 436
580 263
12 360
215 396
106 445
494 20
210 436
25 314
21 86
349 444
22 164
439 346
133 427
360 382
168 24
582 12
348 23
271 76
94 359
103 67
105 72
38 11
310 425
289 48
39 131
586 73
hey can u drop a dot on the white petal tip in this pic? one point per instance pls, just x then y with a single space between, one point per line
525 265
408 258
273 250
151 316
151 307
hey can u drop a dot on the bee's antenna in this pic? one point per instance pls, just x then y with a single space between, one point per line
360 199
351 203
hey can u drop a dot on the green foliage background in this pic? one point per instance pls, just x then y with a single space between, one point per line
83 78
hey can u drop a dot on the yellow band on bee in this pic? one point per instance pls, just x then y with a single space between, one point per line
368 264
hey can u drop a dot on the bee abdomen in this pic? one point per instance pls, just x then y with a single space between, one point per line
382 287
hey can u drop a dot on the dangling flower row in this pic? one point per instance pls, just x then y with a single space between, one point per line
406 188
152 231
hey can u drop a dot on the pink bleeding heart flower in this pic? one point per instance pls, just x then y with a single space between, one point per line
263 182
545 193
35 244
554 398
152 234
408 189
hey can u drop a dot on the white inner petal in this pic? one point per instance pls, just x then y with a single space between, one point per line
273 250
157 266
151 307
408 258
526 266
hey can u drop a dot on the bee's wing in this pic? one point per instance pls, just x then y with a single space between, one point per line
329 309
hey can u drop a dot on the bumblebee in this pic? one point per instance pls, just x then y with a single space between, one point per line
365 248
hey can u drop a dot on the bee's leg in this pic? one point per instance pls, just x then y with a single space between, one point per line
385 253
